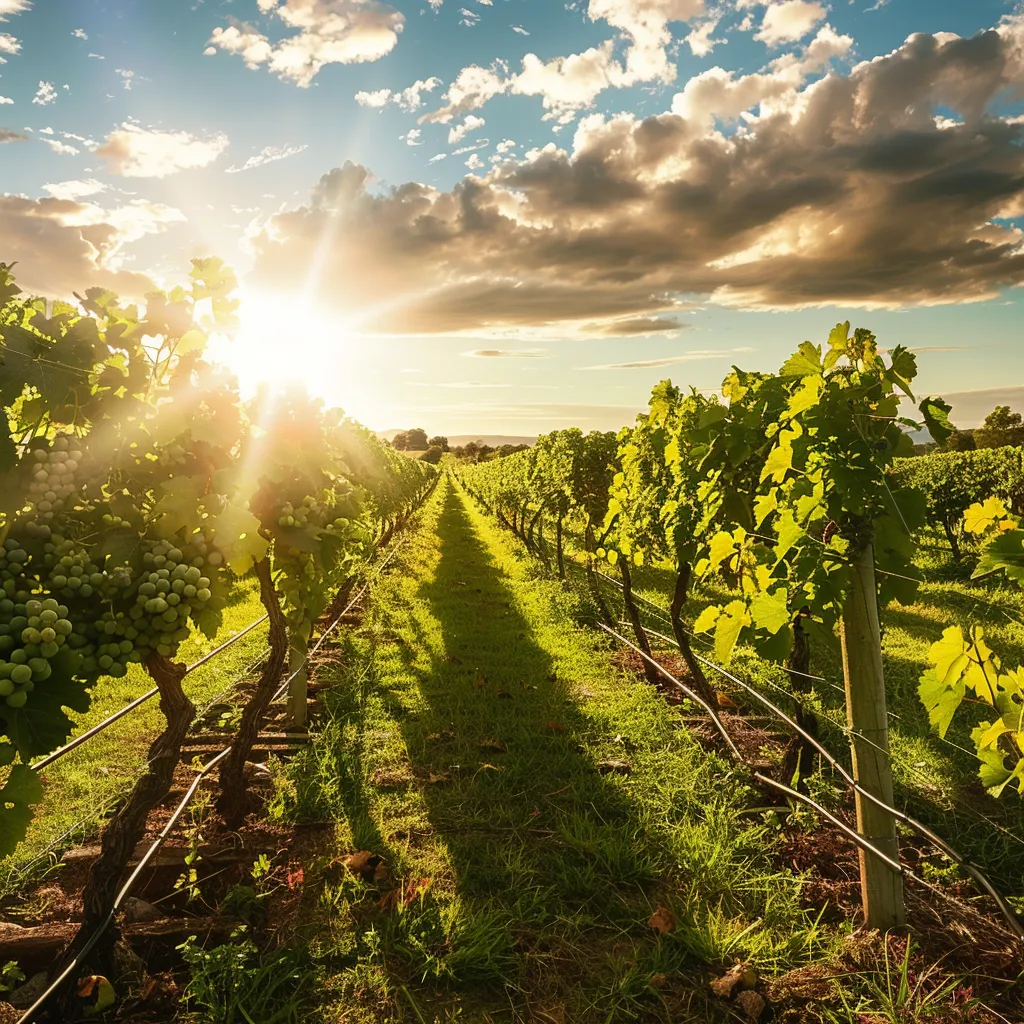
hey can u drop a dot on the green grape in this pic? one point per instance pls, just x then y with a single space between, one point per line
18 699
21 674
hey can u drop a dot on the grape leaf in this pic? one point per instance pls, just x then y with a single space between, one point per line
936 418
982 516
770 611
22 789
236 533
940 698
805 362
778 464
727 632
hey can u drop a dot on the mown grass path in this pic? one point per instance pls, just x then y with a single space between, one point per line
464 741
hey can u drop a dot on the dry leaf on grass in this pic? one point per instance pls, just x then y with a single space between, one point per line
438 778
614 767
370 867
658 980
493 745
440 737
725 701
555 727
741 974
662 920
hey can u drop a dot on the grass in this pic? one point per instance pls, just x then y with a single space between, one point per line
462 742
936 781
82 786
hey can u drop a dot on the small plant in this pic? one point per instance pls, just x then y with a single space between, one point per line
11 976
238 984
188 881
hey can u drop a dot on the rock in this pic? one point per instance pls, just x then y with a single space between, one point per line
22 998
136 911
751 1003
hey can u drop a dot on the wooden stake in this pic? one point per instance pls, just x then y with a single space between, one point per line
881 887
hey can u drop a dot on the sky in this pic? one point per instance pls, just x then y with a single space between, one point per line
512 216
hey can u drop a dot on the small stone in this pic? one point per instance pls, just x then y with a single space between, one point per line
137 911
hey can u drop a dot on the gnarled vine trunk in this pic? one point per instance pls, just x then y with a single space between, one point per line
125 830
234 802
595 593
798 760
652 674
559 552
679 596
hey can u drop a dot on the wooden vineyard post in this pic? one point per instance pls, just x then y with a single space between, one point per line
881 886
297 688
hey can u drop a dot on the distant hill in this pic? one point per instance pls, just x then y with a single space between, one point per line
456 440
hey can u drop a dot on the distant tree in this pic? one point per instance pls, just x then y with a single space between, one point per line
1001 428
433 454
439 442
401 441
417 440
961 441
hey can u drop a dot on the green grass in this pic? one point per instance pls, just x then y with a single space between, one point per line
81 787
936 781
461 742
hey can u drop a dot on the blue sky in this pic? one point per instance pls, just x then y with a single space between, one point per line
473 216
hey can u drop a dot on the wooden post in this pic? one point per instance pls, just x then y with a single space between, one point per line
881 887
297 688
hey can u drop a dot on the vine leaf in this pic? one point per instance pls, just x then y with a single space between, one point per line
22 789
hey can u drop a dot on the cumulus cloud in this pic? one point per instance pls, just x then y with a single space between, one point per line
63 246
6 101
460 131
45 94
267 155
9 135
80 33
75 189
9 45
136 152
571 83
9 7
834 190
408 99
326 32
789 21
61 148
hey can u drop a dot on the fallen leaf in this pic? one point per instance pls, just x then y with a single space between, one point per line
479 682
440 737
493 745
492 767
97 992
555 727
752 1004
662 920
438 778
613 767
658 980
528 686
296 877
725 701
741 974
370 867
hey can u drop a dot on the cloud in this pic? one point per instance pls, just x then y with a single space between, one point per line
9 7
267 155
327 32
127 77
9 135
63 246
412 137
789 21
636 326
45 94
507 353
136 152
467 17
460 131
519 28
6 101
685 357
75 189
455 384
80 33
8 45
408 99
971 407
831 190
699 40
571 83
61 148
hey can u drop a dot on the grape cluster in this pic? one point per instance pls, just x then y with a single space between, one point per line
54 479
32 631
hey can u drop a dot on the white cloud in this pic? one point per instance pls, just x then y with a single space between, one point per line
80 33
327 32
267 155
412 137
408 99
136 152
8 45
126 77
699 40
75 189
570 83
474 162
9 7
45 94
60 148
685 357
438 156
467 17
460 131
96 56
789 21
5 101
63 245
519 28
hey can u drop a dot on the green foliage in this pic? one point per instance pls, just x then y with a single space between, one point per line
953 481
1001 428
